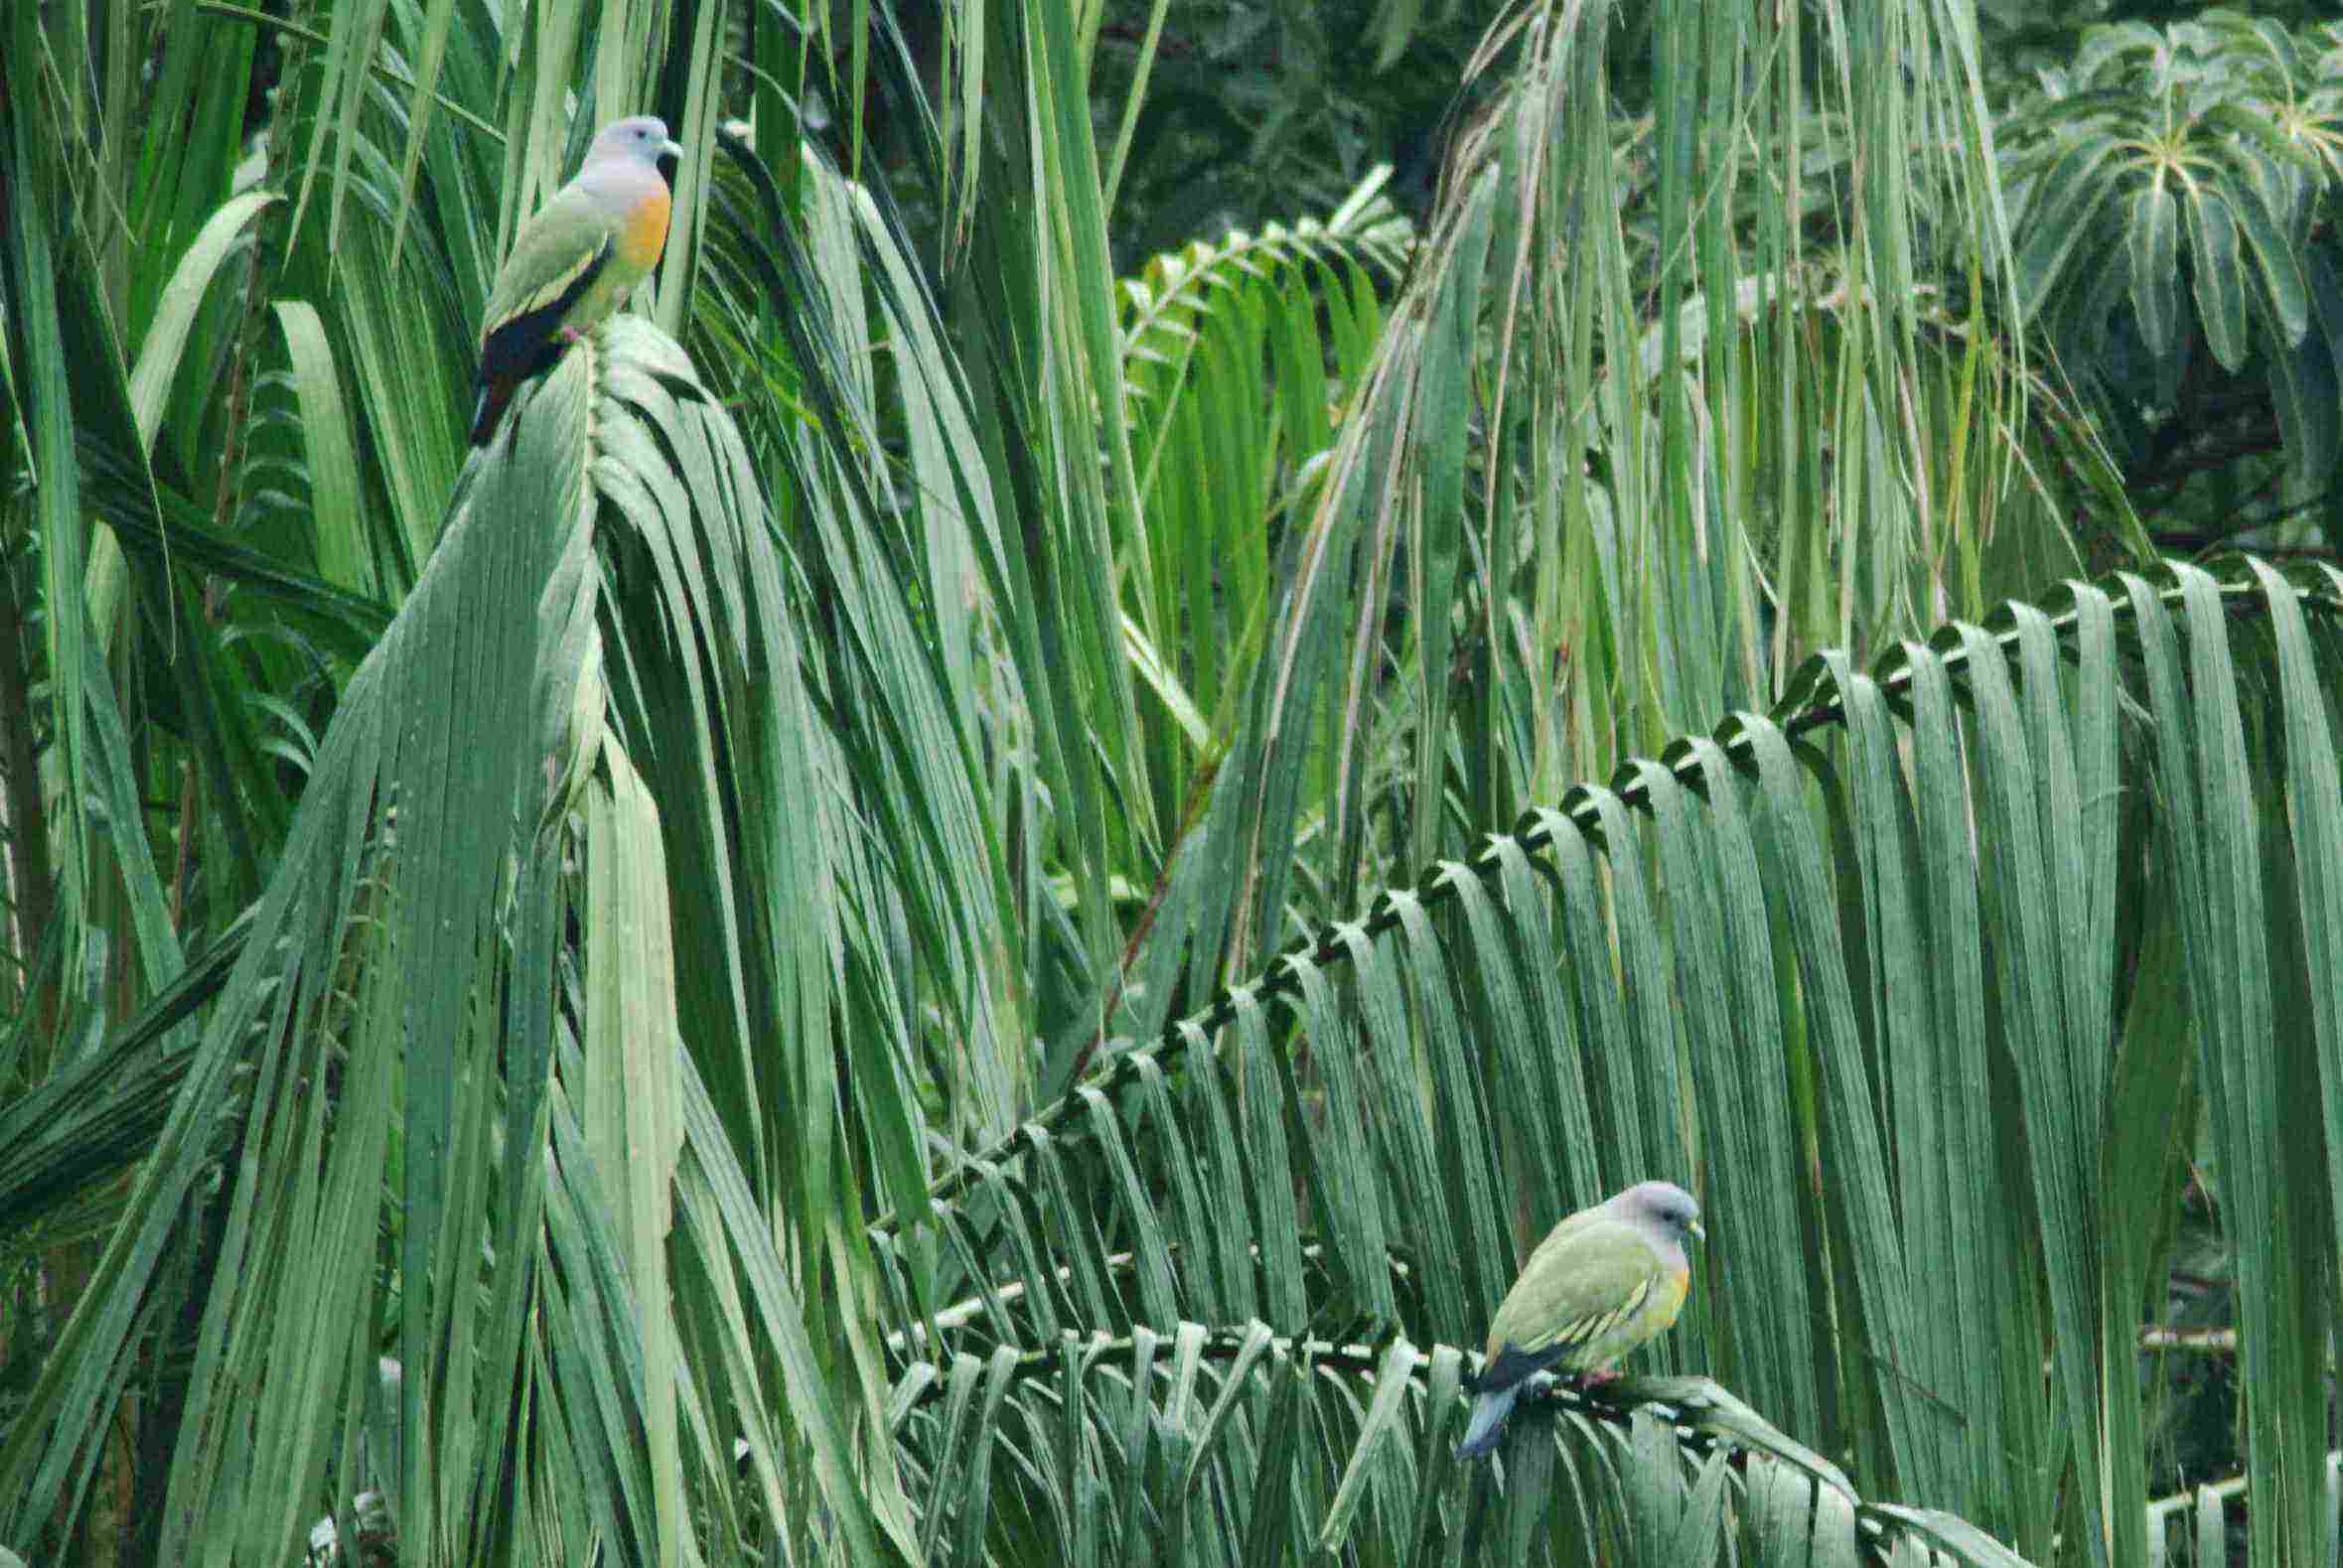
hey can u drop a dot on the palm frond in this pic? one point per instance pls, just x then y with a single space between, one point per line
1864 969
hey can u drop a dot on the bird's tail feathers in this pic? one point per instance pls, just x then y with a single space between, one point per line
1490 1409
485 414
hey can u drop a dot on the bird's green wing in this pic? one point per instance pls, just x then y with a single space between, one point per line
556 248
1584 1287
1561 1234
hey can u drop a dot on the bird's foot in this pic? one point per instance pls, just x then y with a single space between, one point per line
1598 1378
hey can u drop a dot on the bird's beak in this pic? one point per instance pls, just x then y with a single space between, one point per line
673 149
1698 1235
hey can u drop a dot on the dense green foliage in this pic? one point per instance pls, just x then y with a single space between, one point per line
1192 666
2178 195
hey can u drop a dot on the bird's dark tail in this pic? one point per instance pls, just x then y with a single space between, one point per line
1487 1426
493 395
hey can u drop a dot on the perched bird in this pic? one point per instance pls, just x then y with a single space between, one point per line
574 262
1602 1282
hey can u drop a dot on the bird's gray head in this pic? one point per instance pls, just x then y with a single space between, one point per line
643 136
1665 1205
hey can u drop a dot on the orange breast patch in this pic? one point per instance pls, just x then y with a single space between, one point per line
1673 1291
644 233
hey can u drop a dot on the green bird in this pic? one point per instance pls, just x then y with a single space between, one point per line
574 261
1603 1281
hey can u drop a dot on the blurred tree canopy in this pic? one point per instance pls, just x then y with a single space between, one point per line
2174 173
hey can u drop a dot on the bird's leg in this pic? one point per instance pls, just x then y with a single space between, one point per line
1595 1379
